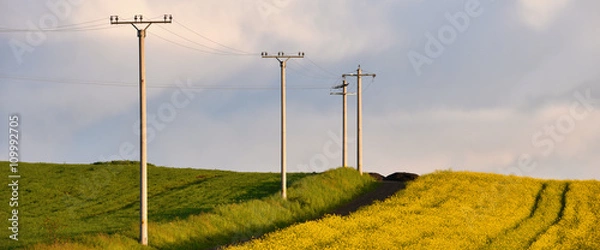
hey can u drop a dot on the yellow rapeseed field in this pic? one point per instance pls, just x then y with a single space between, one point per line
460 210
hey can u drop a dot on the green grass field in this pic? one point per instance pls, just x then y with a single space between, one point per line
96 206
448 210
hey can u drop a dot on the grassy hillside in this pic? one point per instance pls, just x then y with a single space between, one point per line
96 206
447 210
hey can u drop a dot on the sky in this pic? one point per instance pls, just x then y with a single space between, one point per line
508 87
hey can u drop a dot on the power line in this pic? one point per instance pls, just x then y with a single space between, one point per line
215 42
77 24
185 46
217 51
319 76
321 68
304 74
211 50
68 81
371 83
132 84
372 79
197 49
84 26
89 28
82 23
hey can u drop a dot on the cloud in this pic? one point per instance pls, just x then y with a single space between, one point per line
539 14
476 108
487 140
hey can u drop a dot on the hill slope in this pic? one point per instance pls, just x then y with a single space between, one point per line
447 210
62 201
96 206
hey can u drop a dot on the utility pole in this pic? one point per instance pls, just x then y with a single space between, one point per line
141 33
283 58
344 94
359 149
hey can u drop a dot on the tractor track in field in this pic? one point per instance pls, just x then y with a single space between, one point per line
559 216
541 197
532 212
383 191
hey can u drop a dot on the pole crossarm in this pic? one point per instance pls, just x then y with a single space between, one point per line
363 74
138 19
343 88
282 55
340 86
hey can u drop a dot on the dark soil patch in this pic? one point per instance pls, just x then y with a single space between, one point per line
389 186
377 176
401 176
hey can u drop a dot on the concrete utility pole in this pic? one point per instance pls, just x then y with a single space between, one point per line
141 33
344 94
282 58
359 149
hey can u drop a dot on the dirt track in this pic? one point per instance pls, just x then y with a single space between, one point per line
383 191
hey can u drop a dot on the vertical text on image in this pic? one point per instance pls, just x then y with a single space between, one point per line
14 176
